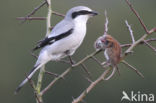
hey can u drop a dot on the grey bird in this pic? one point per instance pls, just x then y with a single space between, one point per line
63 40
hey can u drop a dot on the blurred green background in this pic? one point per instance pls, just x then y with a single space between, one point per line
17 39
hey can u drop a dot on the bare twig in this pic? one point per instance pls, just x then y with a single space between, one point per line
55 80
151 39
39 18
83 66
106 24
130 30
31 18
137 15
67 71
150 46
58 14
28 17
34 11
53 74
88 79
137 42
133 68
42 69
91 86
152 30
96 60
49 17
86 69
143 25
32 84
103 76
131 46
148 40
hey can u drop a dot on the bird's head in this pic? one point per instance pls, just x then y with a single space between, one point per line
80 13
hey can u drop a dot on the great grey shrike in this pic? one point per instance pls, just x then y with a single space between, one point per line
63 40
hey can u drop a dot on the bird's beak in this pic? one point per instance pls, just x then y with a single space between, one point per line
93 13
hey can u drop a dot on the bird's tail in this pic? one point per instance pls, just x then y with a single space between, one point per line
28 77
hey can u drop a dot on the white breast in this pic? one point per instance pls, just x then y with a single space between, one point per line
71 42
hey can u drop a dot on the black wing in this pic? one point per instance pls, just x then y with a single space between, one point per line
51 40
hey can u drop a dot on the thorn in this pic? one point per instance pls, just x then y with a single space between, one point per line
88 79
35 56
53 74
86 70
133 68
130 52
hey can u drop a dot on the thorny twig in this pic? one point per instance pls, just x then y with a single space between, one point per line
100 78
42 69
53 74
91 86
32 84
150 46
137 15
130 30
28 17
104 74
133 68
148 40
143 25
58 14
81 61
106 24
31 18
34 11
95 59
67 71
86 69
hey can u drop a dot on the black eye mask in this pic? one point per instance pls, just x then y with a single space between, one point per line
82 12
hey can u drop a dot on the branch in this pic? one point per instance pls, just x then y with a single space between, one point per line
28 17
133 68
58 14
150 46
152 39
68 70
143 25
49 17
106 23
131 46
91 86
42 70
35 92
39 18
86 70
102 77
137 15
148 40
34 11
31 18
130 30
80 62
